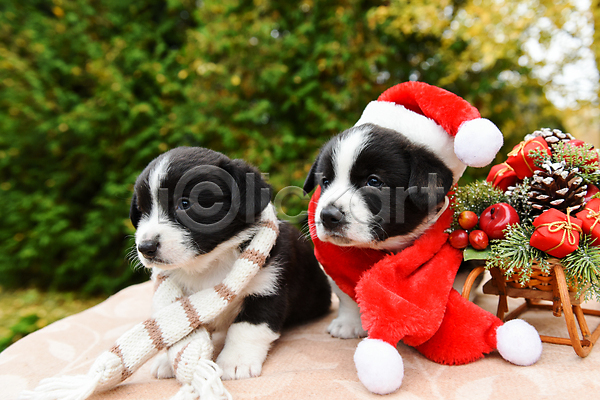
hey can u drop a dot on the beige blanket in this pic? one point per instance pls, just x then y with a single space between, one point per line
304 363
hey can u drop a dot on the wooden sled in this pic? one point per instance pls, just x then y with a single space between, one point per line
552 287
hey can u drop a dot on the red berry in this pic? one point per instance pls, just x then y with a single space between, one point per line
467 219
478 239
459 239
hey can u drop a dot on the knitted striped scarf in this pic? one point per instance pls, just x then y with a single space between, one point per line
178 326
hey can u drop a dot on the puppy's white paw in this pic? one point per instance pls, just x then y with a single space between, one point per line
245 351
345 327
239 366
161 367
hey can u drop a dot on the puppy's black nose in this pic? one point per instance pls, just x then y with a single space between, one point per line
332 217
148 248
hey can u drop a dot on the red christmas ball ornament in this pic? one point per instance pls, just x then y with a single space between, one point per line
467 219
576 142
459 239
591 191
478 239
496 218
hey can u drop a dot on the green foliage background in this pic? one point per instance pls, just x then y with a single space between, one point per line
24 311
91 91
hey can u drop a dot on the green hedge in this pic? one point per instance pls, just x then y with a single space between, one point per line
92 90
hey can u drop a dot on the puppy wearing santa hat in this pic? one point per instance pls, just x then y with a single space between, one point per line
378 219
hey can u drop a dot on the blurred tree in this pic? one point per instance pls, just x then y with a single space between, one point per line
92 90
595 9
583 118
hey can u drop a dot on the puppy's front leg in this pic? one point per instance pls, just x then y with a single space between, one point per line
347 325
245 351
249 338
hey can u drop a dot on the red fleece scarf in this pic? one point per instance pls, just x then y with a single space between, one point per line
408 296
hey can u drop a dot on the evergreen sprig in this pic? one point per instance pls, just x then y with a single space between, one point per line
591 178
514 254
582 268
539 157
584 158
476 197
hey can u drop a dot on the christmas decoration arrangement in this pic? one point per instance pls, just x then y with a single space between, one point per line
542 203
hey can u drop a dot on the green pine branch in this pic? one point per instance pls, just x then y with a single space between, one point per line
581 157
539 157
514 254
582 268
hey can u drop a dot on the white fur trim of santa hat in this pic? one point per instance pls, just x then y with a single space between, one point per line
379 366
417 129
468 139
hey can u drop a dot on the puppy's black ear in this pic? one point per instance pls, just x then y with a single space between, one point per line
134 212
255 193
429 181
311 179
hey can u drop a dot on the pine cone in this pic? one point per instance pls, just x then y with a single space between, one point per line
551 136
556 186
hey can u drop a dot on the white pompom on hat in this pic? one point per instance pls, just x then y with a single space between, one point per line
438 120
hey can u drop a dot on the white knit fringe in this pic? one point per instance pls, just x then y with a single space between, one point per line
187 392
170 327
77 387
205 384
105 372
207 381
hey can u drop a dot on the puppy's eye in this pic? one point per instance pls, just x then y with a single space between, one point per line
184 204
325 182
374 181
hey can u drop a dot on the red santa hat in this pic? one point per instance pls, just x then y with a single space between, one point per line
438 120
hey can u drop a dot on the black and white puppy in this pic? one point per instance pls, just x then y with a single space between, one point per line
199 249
378 190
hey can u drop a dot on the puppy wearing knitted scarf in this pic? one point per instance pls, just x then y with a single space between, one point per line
223 267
